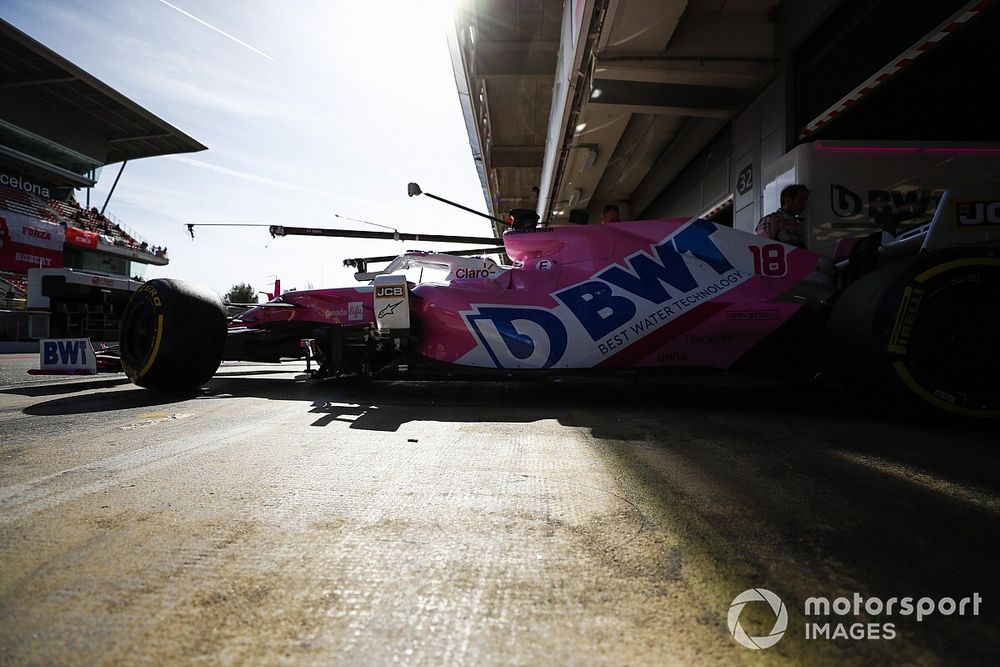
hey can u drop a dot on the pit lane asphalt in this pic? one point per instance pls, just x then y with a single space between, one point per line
269 519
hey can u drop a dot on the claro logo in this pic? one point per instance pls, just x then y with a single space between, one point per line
463 273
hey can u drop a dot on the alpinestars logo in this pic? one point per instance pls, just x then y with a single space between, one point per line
780 620
390 309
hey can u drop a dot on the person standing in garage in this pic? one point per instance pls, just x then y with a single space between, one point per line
787 224
610 214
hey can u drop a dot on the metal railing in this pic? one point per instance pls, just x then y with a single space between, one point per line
20 325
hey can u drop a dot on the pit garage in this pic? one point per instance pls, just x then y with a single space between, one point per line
683 108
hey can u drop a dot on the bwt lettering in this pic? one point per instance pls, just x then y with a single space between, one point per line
602 312
64 352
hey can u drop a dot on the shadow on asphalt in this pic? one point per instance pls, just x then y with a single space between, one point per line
779 478
606 402
107 401
55 388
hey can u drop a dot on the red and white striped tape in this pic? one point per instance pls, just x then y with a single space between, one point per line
932 39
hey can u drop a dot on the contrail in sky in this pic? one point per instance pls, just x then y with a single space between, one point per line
409 213
212 27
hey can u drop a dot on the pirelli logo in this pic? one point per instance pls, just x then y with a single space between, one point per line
153 294
390 291
905 317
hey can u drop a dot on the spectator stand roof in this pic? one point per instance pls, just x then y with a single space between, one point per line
58 122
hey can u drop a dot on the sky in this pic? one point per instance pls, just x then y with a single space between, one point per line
310 109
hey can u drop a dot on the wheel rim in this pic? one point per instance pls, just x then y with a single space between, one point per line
952 354
141 327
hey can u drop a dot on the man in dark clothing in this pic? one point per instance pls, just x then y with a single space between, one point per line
787 224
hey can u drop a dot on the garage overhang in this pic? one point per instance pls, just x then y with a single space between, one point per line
572 105
504 56
643 92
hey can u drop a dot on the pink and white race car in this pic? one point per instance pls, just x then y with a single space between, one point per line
916 318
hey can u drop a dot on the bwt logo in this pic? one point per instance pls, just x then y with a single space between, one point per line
524 337
978 213
65 352
847 204
600 311
537 340
780 618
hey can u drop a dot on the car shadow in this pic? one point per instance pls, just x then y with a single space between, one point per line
107 401
55 388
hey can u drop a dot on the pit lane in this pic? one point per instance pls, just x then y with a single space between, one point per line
272 519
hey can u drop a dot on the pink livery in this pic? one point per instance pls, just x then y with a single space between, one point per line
627 295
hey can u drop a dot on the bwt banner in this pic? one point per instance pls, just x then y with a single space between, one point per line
29 243
67 355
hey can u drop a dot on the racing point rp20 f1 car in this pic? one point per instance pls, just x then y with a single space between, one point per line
918 320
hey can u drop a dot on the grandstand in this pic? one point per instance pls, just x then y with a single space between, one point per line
111 233
67 269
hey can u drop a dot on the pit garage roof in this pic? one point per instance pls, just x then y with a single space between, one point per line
53 110
662 78
611 101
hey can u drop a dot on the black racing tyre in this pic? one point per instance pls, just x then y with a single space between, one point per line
172 335
922 333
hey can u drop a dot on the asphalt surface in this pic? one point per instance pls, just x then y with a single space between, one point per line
272 520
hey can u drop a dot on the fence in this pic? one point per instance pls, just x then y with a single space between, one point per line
20 325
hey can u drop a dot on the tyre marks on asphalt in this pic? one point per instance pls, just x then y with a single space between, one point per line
448 541
18 501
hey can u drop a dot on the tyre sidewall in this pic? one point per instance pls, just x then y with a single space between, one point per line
886 339
190 332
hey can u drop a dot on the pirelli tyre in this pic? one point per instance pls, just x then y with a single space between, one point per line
172 335
922 333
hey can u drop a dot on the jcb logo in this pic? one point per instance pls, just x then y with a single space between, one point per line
978 213
390 292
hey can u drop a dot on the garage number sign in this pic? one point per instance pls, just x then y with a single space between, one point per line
744 182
